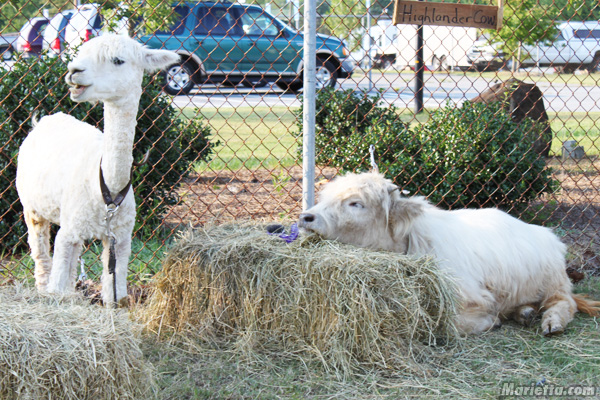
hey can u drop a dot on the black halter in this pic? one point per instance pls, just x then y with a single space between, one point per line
111 206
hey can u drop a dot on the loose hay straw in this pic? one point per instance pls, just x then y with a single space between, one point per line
347 307
67 349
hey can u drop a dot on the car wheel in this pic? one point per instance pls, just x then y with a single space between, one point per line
179 79
7 53
595 65
326 75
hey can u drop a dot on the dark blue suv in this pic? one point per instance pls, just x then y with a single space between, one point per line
236 43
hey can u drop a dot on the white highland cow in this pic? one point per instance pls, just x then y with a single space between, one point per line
504 268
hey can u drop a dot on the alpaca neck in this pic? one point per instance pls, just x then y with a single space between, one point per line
120 119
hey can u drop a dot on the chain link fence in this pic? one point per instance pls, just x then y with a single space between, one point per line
224 139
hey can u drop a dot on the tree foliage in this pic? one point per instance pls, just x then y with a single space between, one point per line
468 156
525 22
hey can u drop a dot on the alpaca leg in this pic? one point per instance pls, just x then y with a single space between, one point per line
38 237
560 309
122 251
64 263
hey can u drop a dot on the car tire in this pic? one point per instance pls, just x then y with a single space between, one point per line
7 53
326 74
595 65
179 78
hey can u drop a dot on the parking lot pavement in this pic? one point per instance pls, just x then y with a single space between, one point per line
397 89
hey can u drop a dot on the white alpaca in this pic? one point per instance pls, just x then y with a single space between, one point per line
59 165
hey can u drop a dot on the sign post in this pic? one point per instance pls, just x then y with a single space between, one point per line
442 14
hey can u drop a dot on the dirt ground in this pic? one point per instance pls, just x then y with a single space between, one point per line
275 195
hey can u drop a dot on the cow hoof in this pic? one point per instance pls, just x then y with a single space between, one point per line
497 324
553 330
525 315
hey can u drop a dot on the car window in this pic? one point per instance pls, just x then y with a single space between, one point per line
217 21
587 34
257 23
97 22
180 13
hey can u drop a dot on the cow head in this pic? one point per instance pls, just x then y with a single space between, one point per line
366 210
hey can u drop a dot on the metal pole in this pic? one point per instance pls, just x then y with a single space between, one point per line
419 67
369 46
308 116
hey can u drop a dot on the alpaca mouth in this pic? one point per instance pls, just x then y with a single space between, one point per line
76 90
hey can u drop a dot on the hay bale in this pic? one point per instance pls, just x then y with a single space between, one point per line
348 307
68 349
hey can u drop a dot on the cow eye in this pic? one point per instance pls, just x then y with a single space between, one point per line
356 204
117 61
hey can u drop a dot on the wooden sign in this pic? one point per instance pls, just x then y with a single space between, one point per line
447 14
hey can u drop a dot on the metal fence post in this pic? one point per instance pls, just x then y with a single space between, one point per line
308 117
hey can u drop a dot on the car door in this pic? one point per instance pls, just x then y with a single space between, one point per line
559 52
214 39
266 45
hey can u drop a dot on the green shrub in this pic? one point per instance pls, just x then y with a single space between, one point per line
468 156
37 85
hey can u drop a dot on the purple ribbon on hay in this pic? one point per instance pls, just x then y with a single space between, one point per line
289 238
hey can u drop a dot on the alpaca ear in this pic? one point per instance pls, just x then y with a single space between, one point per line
159 59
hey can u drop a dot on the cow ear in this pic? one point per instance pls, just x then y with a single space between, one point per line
403 212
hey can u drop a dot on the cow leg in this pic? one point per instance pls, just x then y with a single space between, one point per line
560 309
525 315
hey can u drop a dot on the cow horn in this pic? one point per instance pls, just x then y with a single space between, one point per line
374 167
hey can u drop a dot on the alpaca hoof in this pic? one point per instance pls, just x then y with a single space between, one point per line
525 315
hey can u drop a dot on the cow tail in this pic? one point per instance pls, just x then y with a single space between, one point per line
585 305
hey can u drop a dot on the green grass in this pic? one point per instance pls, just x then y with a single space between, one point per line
580 126
251 137
262 137
475 368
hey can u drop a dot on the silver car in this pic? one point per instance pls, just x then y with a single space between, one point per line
54 34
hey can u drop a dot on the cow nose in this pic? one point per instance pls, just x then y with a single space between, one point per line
307 218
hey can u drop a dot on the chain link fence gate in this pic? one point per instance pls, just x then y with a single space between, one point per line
224 143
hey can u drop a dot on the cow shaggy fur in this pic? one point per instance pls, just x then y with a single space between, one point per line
503 267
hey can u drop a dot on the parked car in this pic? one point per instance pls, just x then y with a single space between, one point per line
84 24
237 43
577 45
54 34
7 46
31 36
485 56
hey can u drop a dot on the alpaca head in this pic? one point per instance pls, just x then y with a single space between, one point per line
110 68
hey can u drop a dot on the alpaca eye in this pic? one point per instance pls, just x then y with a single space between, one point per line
117 61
